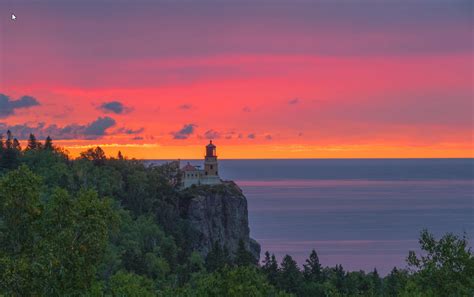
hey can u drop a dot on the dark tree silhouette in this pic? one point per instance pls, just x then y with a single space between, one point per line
33 144
48 143
312 268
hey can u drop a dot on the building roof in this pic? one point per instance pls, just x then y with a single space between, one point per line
189 167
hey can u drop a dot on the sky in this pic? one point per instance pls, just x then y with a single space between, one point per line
263 79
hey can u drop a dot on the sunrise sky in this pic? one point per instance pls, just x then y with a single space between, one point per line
264 79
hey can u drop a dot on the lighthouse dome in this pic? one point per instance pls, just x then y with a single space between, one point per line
211 144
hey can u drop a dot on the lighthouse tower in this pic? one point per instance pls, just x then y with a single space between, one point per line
211 173
210 161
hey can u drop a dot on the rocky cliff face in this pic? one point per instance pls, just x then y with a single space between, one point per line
219 213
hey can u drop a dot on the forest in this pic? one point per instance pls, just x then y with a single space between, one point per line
113 226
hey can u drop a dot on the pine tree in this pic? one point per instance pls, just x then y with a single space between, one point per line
266 262
376 282
32 143
270 268
312 268
16 145
48 143
340 277
289 278
11 152
216 258
394 282
243 257
119 155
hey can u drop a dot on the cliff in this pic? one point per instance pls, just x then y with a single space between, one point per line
219 213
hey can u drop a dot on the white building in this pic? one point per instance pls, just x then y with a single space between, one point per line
194 175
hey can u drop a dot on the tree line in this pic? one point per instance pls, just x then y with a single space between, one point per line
111 226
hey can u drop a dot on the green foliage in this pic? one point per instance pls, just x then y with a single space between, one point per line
312 268
142 247
10 153
20 210
49 248
231 282
126 284
95 155
217 258
289 276
446 266
243 257
395 282
270 268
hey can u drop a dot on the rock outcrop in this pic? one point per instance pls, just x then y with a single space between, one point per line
219 214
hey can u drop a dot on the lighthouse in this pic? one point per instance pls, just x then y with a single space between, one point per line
210 161
194 175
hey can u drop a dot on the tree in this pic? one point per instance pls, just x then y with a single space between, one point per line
312 269
270 268
339 277
144 248
289 278
217 258
119 155
445 267
48 143
75 233
96 155
131 285
32 143
20 210
50 246
230 282
394 282
243 257
16 145
376 282
11 152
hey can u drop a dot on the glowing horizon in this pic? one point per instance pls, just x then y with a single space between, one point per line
286 80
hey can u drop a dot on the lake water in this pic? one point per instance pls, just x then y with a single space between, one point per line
358 213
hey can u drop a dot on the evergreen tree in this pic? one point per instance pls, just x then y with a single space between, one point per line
339 277
217 258
119 155
312 268
48 143
11 152
32 143
376 282
270 268
16 145
243 257
289 278
395 282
